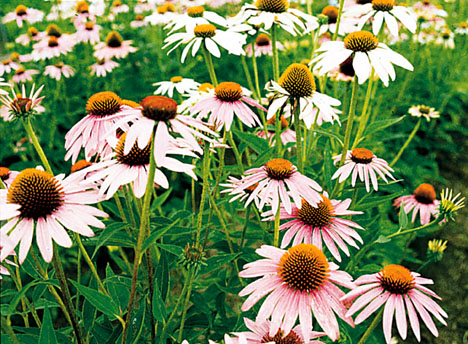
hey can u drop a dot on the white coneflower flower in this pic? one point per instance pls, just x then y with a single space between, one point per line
180 84
423 111
367 53
195 15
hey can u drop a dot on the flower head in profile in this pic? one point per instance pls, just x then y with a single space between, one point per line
367 54
23 14
88 33
20 104
8 65
311 225
164 14
259 332
38 201
462 28
228 100
278 181
450 204
102 67
90 133
347 23
287 134
365 164
114 46
422 201
435 249
301 276
23 75
195 15
297 84
402 294
159 114
387 11
210 37
423 111
181 85
58 70
262 46
266 13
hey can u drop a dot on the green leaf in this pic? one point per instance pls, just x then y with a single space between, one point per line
108 233
337 137
158 234
217 261
375 201
403 217
382 239
162 275
161 199
255 142
380 125
13 303
102 302
159 308
47 334
176 250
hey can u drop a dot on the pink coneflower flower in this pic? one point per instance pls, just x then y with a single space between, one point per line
227 101
423 200
4 240
262 46
114 46
347 24
118 7
15 57
297 281
32 35
20 104
102 67
287 135
23 75
362 162
7 66
160 113
38 200
23 13
56 71
103 109
7 176
133 168
312 224
52 47
402 291
88 33
138 22
274 178
233 183
260 333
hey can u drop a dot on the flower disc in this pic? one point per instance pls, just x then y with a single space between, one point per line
298 81
425 194
396 279
228 91
362 41
103 104
279 169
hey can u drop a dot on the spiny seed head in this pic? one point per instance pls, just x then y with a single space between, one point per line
396 279
82 7
136 156
114 39
205 87
279 169
32 31
53 30
37 192
274 6
383 5
298 81
304 267
21 10
195 11
4 173
425 194
280 338
193 256
228 91
362 156
331 12
159 108
176 79
53 42
316 216
362 41
80 165
262 40
103 104
204 30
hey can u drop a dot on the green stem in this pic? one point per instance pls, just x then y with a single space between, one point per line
338 20
186 302
278 141
411 230
128 203
120 207
222 152
236 152
275 53
29 130
6 326
246 72
209 65
144 223
255 68
371 328
246 223
205 188
410 138
297 127
277 225
364 114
